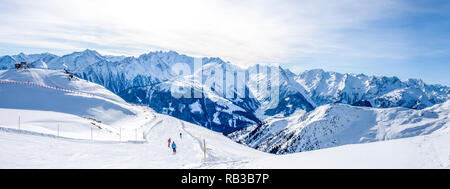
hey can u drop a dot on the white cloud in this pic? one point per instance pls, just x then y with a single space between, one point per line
244 32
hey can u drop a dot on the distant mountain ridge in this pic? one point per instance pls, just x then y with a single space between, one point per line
383 92
146 79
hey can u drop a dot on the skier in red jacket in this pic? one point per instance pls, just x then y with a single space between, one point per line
168 144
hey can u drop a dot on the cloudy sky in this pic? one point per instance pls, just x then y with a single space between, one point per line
409 39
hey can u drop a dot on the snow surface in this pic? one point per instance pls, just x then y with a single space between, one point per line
429 151
27 149
36 89
22 149
65 127
340 124
43 127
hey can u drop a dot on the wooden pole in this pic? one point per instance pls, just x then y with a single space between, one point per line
204 150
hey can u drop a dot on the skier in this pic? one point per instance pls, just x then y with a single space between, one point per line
168 143
181 136
174 147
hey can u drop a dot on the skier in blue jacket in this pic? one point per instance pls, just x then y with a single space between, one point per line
174 147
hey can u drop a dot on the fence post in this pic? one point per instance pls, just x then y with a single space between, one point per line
204 150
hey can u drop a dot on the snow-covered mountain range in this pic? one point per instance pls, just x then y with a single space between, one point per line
147 80
383 92
49 119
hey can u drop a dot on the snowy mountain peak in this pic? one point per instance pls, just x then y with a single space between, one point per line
7 62
85 53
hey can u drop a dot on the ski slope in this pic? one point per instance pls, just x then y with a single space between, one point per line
86 126
24 149
36 89
63 124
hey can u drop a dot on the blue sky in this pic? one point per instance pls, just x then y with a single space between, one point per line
408 39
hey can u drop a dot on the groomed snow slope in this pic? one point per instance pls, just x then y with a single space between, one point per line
25 149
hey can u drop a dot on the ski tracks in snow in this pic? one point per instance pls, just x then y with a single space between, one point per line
198 140
156 123
180 126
